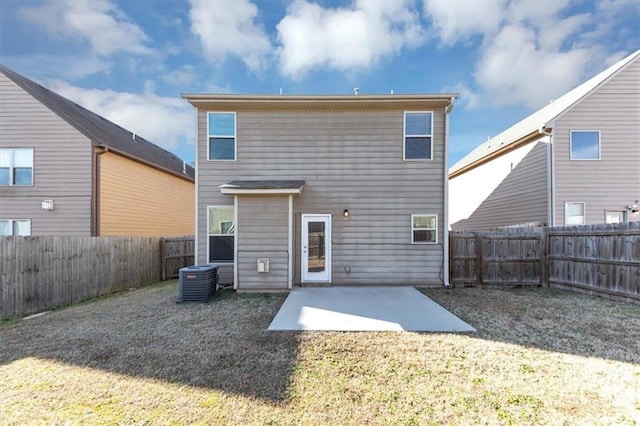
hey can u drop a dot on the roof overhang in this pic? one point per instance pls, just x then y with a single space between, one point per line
263 187
319 102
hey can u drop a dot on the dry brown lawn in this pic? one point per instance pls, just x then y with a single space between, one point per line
539 357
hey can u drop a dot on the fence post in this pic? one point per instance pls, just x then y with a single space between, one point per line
544 257
479 268
163 259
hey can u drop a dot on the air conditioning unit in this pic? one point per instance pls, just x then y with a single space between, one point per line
198 283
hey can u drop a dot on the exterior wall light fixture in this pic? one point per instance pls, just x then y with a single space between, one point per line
47 205
345 213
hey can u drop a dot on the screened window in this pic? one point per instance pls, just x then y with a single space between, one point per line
585 145
222 231
612 216
15 227
222 135
424 229
16 166
574 214
418 135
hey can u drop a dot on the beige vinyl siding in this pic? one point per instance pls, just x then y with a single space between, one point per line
349 160
509 190
138 200
612 182
62 166
263 224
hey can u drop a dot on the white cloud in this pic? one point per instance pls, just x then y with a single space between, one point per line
525 57
165 121
457 21
99 22
514 70
229 28
345 38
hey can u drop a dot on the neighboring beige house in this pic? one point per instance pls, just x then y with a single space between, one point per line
67 171
575 161
330 190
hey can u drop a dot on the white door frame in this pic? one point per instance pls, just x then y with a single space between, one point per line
305 275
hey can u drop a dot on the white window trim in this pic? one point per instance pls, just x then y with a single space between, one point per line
404 136
571 132
413 229
235 237
625 216
11 167
566 213
11 221
235 135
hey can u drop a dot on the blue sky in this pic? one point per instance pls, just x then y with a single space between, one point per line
130 60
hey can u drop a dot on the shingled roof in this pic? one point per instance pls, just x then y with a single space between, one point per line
101 131
539 120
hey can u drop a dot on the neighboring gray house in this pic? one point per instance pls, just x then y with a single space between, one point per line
575 161
65 170
332 190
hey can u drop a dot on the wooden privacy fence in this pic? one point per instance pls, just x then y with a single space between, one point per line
176 253
513 257
41 273
600 259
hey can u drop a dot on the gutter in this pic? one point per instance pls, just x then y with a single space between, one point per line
445 248
509 147
146 163
96 192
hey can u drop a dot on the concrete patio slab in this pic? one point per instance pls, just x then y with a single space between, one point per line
364 309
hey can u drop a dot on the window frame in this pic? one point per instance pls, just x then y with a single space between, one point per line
405 136
12 225
566 213
234 137
424 229
571 132
12 167
625 216
209 235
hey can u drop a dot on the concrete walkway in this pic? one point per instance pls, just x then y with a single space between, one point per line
364 309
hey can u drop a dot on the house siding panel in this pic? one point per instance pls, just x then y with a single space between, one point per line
510 190
62 166
255 213
613 182
349 160
138 200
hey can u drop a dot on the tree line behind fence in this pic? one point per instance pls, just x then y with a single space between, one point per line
598 259
41 273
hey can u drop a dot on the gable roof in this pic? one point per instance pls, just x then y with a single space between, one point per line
102 132
539 120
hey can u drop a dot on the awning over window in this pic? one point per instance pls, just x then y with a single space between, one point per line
266 187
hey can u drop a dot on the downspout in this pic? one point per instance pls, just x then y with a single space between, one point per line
445 249
196 248
96 198
550 177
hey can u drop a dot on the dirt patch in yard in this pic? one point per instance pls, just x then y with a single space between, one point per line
539 357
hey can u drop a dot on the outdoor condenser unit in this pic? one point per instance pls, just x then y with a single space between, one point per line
198 283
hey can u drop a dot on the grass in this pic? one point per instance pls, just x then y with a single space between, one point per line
539 357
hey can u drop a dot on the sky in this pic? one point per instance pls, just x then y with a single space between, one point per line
129 61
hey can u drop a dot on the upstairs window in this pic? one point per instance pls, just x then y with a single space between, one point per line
222 135
16 166
585 145
424 229
418 135
222 231
15 227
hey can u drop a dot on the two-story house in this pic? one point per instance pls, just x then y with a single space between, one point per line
65 170
575 161
331 190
